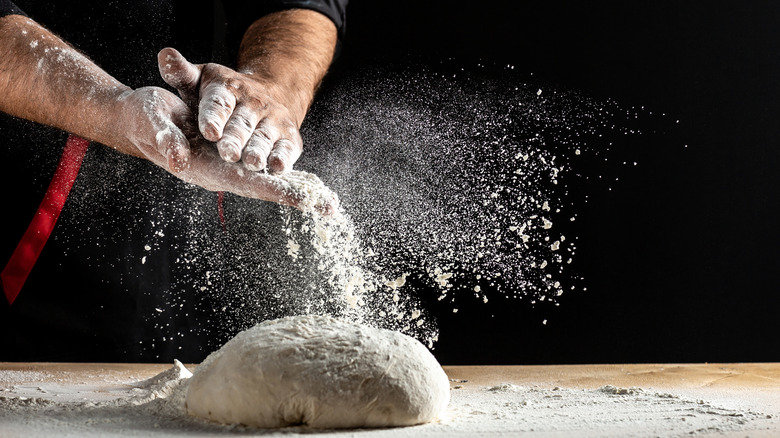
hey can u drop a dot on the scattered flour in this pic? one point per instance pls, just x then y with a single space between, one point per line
292 249
415 199
353 286
156 407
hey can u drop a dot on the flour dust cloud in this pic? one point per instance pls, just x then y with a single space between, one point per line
455 187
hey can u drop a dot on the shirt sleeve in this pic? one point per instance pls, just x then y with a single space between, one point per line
243 13
333 9
7 7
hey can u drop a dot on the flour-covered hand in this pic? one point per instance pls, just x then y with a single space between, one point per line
244 114
157 124
160 127
296 189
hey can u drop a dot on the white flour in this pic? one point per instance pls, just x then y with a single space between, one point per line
354 287
39 406
467 188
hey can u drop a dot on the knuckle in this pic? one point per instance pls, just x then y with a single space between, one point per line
294 142
289 126
212 70
284 146
257 103
290 132
262 135
219 100
266 132
209 123
259 145
241 123
233 84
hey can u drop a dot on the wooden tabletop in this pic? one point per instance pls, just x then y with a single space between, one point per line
758 378
733 375
733 400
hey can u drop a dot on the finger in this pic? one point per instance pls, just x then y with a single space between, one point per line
255 155
179 73
173 145
238 130
285 153
164 110
216 105
296 189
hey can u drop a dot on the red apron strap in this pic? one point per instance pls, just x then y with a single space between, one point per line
26 253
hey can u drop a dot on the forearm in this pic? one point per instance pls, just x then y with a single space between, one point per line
291 49
44 80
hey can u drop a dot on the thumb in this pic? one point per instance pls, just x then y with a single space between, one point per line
169 122
174 146
179 73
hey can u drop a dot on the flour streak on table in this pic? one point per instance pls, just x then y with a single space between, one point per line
63 399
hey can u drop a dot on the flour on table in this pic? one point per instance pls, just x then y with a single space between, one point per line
321 372
94 405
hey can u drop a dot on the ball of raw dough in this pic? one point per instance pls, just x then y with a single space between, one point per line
321 372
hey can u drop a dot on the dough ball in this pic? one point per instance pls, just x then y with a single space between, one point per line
321 372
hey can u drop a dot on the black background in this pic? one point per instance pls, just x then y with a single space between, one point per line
680 257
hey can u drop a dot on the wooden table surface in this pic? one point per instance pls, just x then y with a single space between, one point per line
737 389
761 379
756 376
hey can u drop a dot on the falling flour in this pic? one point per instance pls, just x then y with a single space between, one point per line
466 188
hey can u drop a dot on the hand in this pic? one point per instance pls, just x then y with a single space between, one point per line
242 113
155 122
301 190
159 124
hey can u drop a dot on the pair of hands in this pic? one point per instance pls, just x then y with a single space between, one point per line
229 131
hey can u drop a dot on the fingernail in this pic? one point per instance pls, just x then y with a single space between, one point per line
277 162
253 159
211 130
229 151
253 162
